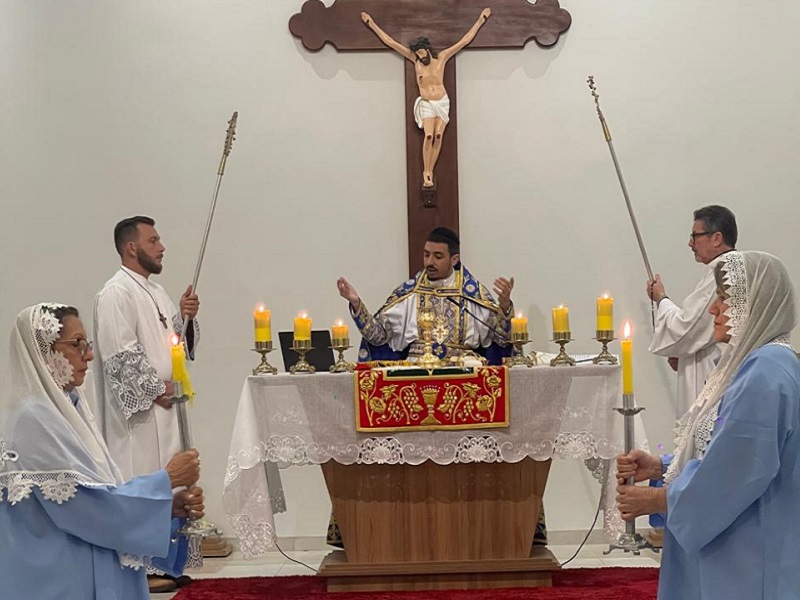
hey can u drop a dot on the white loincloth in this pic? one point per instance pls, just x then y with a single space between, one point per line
432 109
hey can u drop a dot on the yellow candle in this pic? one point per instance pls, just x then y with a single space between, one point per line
302 327
262 322
560 319
178 360
627 360
519 324
605 313
339 333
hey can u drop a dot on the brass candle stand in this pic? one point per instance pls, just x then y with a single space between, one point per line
341 365
562 338
302 347
193 526
264 368
518 358
604 336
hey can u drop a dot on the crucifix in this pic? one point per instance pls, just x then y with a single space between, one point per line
413 28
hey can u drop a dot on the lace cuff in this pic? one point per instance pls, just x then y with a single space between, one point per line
370 327
133 380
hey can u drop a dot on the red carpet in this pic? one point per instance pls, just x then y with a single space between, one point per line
611 583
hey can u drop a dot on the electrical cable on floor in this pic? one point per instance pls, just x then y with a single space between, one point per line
583 543
299 562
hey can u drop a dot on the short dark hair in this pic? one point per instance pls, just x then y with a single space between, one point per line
63 312
422 43
443 235
127 231
718 218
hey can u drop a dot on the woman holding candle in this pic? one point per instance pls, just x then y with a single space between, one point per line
71 526
732 491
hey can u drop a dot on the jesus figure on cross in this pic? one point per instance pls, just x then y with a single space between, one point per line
432 107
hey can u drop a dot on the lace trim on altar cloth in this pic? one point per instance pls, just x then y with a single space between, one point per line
294 450
133 380
57 487
255 537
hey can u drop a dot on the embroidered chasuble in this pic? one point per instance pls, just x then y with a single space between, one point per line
468 319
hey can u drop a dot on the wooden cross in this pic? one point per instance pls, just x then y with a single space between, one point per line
512 24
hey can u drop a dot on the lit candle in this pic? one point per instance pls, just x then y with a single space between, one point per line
560 319
627 360
605 313
302 327
519 324
178 360
339 334
261 320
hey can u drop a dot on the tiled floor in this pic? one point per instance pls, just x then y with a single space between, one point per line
276 564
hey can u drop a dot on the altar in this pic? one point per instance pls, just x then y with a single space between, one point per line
423 509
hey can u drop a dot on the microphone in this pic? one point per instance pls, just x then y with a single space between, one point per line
500 332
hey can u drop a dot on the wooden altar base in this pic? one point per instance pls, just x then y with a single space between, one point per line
343 576
430 526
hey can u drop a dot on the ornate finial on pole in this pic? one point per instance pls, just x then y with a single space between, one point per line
230 135
607 134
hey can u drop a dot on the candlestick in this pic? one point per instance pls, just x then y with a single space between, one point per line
340 345
627 360
262 324
560 319
518 358
179 371
605 313
605 357
302 328
302 347
562 338
264 368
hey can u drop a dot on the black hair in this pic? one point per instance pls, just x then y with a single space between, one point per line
127 231
444 235
718 218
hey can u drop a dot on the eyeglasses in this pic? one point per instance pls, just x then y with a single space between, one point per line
693 236
82 345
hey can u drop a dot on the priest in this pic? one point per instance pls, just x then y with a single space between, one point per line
472 319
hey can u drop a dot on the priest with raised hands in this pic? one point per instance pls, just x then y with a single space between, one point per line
473 320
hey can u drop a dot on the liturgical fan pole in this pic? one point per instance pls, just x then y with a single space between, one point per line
200 527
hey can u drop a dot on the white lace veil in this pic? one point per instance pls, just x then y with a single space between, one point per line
761 309
46 441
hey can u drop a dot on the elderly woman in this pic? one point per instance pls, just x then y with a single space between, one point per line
732 491
70 527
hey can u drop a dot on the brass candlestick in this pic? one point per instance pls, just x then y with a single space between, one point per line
264 348
562 338
341 365
604 336
518 357
302 347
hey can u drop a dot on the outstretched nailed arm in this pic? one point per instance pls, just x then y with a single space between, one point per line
386 38
447 53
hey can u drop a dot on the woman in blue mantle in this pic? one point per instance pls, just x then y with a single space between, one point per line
70 527
733 485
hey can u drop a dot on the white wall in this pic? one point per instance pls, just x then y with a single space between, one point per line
112 108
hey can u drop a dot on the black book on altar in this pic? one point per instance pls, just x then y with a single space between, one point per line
321 357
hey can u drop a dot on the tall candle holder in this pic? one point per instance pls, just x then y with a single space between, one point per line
562 338
604 336
518 358
341 365
264 368
302 347
193 526
630 541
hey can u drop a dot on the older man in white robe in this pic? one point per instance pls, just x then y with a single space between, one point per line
685 333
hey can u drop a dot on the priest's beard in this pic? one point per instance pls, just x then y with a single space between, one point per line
147 263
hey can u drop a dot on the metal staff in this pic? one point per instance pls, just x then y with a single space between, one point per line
200 527
607 134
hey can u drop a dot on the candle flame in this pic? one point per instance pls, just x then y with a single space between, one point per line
626 331
519 315
175 340
303 315
339 323
260 308
605 296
